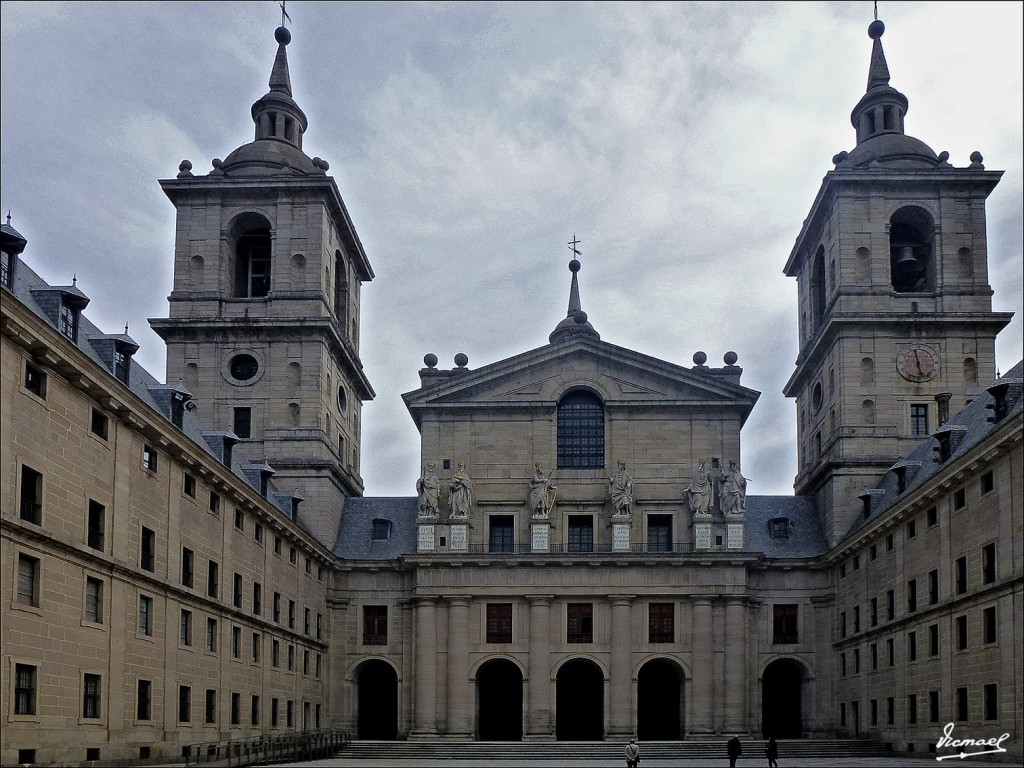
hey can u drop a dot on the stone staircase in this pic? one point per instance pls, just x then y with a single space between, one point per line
830 751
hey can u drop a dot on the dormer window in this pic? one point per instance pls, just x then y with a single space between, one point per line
68 321
381 529
6 269
778 528
122 364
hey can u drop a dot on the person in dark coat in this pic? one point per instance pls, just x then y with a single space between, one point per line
735 750
772 750
632 754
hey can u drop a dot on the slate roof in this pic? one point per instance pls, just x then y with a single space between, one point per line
29 287
355 534
806 538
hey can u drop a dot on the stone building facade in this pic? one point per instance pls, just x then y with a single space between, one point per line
194 561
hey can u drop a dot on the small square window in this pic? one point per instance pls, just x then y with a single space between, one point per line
35 381
100 424
381 530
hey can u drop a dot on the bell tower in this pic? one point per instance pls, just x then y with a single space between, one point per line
895 309
264 313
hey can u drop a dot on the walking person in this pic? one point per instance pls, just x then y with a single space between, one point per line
632 754
772 750
735 750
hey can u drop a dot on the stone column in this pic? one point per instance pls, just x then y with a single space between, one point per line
621 675
425 681
701 692
539 724
459 699
735 688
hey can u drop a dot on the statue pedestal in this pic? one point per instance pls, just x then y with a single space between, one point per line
702 535
540 535
620 536
734 535
425 540
458 537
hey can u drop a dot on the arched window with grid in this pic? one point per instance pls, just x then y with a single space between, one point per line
580 431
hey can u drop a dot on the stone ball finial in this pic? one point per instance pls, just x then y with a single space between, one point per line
580 318
282 35
943 156
430 360
976 157
185 165
574 265
876 29
461 360
840 157
730 358
699 358
217 163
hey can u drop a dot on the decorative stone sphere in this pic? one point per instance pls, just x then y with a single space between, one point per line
185 165
580 318
875 29
461 360
217 162
282 35
699 358
730 358
574 265
976 157
430 360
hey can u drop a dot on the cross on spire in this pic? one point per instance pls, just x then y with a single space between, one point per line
284 13
572 245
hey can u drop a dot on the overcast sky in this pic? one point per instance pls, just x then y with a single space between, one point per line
683 144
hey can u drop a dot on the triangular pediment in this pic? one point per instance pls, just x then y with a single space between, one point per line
617 375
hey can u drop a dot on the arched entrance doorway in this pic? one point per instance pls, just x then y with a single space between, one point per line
659 715
781 699
499 698
377 701
579 702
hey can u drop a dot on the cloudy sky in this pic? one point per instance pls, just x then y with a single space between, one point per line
682 143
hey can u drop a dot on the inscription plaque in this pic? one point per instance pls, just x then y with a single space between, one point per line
702 536
426 539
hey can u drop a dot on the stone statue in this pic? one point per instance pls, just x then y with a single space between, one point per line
734 490
620 486
699 491
460 492
542 491
427 488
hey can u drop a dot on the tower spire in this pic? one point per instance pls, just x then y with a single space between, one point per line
575 322
280 80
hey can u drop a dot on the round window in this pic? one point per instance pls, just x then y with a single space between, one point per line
816 397
244 367
342 399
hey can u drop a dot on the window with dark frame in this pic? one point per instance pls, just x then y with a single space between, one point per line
933 706
659 533
147 554
189 486
375 625
581 533
257 598
580 428
890 605
35 381
919 420
912 646
99 424
661 622
911 595
214 503
93 600
236 593
959 498
501 534
961 633
122 365
90 696
933 639
213 580
210 710
786 623
95 525
988 482
211 635
236 708
990 696
31 500
28 580
912 709
185 628
988 625
242 422
184 704
24 689
188 567
145 615
961 704
932 516
68 321
149 458
988 564
933 586
144 700
961 575
579 623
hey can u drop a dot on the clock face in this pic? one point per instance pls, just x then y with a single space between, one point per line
917 364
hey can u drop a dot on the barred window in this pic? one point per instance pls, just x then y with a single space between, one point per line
661 623
375 625
501 533
499 622
579 623
580 431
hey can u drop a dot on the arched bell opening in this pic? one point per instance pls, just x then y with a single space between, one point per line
911 250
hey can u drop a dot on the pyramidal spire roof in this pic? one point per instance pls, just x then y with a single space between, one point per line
280 80
575 322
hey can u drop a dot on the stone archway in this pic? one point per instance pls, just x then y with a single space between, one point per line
579 702
660 702
782 694
376 701
499 700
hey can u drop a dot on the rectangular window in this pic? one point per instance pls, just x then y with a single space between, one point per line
305 662
375 625
189 488
961 633
236 643
239 519
873 552
291 657
91 696
293 555
257 598
309 566
990 696
959 498
933 639
214 503
856 661
988 564
988 482
661 622
144 700
873 710
213 580
273 713
147 554
842 664
305 621
933 517
122 366
277 546
501 535
919 420
31 507
28 580
988 624
243 422
933 587
211 635
874 656
277 607
659 533
581 533
911 595
579 623
889 543
68 321
99 424
185 628
93 600
874 611
24 689
149 458
890 604
842 624
291 614
499 622
319 626
319 665
890 651
257 532
7 279
785 624
275 653
210 714
236 708
96 525
912 529
257 645
145 615
933 706
188 567
912 646
912 709
890 711
35 381
289 713
236 597
184 704
961 704
856 619
961 575
254 710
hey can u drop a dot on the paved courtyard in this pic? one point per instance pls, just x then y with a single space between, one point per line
744 762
